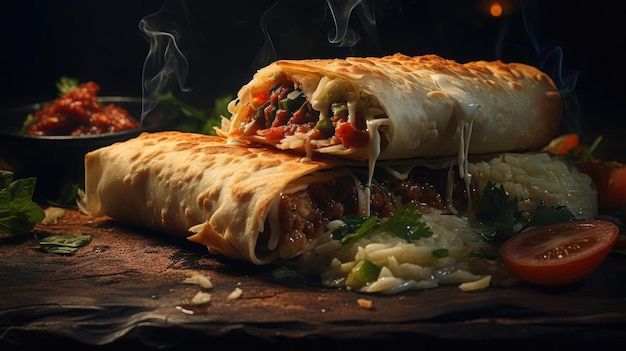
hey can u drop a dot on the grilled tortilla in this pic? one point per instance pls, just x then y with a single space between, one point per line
184 183
258 204
395 107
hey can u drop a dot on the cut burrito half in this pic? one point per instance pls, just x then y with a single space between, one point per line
258 204
395 107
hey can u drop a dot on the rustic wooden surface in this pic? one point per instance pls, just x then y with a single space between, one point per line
125 289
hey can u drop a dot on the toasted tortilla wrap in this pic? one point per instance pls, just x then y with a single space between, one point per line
258 204
195 186
395 107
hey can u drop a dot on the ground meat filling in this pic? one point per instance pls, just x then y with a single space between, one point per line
304 215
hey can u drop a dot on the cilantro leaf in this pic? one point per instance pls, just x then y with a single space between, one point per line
405 223
498 217
18 213
497 214
550 215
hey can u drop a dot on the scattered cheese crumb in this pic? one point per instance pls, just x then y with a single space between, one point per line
235 294
52 215
365 303
199 279
477 284
201 298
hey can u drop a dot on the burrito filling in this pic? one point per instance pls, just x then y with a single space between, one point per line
334 115
304 214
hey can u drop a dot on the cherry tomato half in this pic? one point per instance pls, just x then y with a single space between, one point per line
559 254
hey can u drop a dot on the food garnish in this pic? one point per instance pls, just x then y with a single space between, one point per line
18 213
498 218
608 176
235 294
363 273
404 223
65 244
199 279
200 120
561 253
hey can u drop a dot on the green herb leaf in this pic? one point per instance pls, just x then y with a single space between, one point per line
65 244
199 120
65 85
498 217
405 223
550 215
576 155
18 213
368 224
352 223
497 214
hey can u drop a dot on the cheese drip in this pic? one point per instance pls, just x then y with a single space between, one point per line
465 113
331 90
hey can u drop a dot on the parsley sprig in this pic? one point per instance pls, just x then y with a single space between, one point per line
498 217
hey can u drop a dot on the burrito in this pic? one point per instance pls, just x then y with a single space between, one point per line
395 107
259 204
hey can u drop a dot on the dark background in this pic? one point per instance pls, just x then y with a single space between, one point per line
579 43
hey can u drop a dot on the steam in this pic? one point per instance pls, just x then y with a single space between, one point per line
165 63
341 11
315 17
548 56
551 60
314 28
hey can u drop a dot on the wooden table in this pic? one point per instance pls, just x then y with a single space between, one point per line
124 289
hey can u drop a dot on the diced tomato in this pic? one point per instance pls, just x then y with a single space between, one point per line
610 179
350 136
274 133
258 99
559 254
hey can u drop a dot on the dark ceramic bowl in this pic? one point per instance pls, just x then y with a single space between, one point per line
58 161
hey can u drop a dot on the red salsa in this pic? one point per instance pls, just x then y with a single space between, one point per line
78 112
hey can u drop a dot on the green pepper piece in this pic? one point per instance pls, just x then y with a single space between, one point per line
293 101
338 108
325 126
362 274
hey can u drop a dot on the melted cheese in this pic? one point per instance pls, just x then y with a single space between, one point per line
331 90
465 114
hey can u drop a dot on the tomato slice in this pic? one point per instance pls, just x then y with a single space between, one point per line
559 254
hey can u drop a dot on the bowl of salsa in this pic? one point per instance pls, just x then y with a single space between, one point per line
48 140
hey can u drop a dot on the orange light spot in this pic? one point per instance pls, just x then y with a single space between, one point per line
495 9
